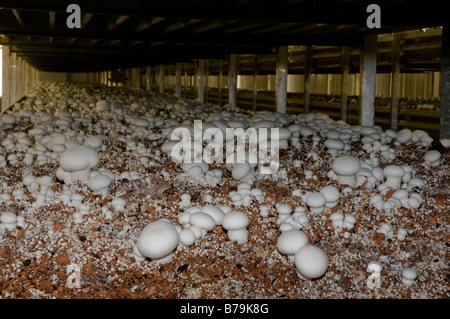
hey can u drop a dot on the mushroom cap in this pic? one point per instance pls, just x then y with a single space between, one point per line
78 158
93 141
416 182
311 261
394 171
215 212
158 239
235 220
284 209
334 143
99 182
346 165
404 136
202 220
290 241
315 199
240 170
8 218
331 193
187 237
432 156
409 273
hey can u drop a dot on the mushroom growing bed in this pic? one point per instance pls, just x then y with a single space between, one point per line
71 229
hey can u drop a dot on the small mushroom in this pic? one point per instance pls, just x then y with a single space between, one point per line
331 194
290 241
99 184
316 202
433 158
409 275
311 262
346 167
394 175
235 223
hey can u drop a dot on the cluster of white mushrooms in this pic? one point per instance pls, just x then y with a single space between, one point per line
57 111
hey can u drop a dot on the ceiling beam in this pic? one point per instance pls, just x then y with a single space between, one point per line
19 18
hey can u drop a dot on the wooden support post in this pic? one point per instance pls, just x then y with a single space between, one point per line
148 78
161 79
206 100
255 84
306 85
282 72
444 127
395 85
186 79
5 77
369 73
178 80
344 82
232 79
220 84
201 81
13 78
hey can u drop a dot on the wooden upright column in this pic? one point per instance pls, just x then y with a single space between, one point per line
282 72
344 82
178 80
201 81
444 127
255 84
369 73
232 79
5 77
395 86
306 87
220 84
161 79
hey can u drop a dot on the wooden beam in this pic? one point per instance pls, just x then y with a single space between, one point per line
178 80
444 127
201 81
344 82
395 85
161 79
369 73
19 18
232 79
51 19
115 22
220 83
306 84
282 72
255 84
5 77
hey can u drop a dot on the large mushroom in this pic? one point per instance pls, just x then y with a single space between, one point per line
346 167
157 241
78 161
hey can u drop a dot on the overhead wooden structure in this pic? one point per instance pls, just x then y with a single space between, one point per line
134 33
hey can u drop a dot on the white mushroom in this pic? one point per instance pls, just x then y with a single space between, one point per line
235 223
316 202
290 241
409 275
331 194
78 160
311 262
393 174
99 184
433 157
346 167
158 240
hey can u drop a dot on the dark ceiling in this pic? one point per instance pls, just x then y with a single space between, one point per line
133 33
